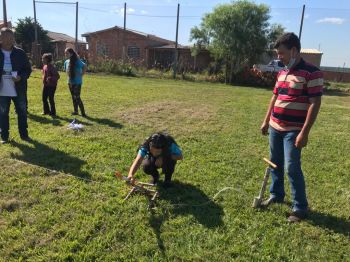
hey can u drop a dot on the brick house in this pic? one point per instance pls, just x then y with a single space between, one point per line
62 41
117 43
143 49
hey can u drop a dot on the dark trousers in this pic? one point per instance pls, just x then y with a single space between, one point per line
150 168
49 94
75 91
21 109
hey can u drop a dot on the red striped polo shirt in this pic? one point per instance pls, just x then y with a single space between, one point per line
294 88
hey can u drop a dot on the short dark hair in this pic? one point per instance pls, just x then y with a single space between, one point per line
48 57
289 40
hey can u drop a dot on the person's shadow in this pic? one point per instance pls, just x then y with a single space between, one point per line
55 121
49 158
104 121
183 199
330 222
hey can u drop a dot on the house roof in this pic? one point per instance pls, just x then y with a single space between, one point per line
60 37
149 36
171 46
310 51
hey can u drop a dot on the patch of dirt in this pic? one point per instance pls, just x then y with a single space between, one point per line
162 115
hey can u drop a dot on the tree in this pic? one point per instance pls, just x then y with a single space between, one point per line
25 35
237 33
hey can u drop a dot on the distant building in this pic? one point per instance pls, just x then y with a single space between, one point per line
62 41
144 49
336 74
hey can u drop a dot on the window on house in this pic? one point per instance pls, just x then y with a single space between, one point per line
102 49
133 52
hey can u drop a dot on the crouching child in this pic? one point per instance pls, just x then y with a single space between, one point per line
158 151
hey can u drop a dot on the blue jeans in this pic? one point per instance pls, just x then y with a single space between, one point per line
287 157
21 109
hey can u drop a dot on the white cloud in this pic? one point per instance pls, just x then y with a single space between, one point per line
144 12
331 20
120 11
128 10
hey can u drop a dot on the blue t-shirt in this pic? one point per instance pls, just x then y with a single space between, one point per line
174 150
78 79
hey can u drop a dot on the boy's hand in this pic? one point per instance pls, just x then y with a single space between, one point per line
301 140
264 129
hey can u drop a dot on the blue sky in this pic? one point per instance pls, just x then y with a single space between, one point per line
326 24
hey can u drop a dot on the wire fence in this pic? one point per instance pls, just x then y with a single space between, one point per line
325 29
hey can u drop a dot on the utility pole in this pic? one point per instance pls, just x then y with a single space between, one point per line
35 24
176 40
124 33
76 26
5 12
35 46
302 22
124 15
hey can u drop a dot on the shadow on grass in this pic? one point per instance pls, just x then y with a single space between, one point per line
104 121
185 199
44 120
330 222
47 157
56 121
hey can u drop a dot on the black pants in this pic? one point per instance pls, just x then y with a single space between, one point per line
75 91
49 93
21 108
150 168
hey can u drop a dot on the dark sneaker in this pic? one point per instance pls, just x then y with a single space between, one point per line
297 216
26 138
154 180
271 200
74 113
84 115
4 141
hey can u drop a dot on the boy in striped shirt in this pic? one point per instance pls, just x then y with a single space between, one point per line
292 111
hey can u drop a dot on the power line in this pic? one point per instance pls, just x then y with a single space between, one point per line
141 15
55 2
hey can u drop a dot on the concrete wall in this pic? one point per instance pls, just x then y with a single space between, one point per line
336 76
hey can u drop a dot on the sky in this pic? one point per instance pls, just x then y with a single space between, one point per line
326 23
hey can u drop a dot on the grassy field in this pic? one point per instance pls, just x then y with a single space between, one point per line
58 216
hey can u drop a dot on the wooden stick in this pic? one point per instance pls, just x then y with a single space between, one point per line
154 196
131 191
274 166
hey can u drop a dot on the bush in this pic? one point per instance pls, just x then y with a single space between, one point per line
111 66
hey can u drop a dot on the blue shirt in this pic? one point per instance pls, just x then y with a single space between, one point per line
174 150
78 79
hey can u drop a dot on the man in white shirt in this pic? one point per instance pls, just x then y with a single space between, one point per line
16 69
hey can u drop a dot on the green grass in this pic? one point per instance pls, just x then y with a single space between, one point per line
55 216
